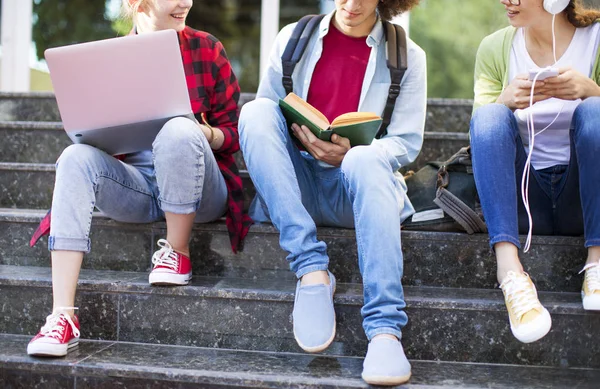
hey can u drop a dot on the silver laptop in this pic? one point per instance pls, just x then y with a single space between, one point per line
116 94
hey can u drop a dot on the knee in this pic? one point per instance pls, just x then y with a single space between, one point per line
491 122
179 134
586 120
365 163
256 114
77 156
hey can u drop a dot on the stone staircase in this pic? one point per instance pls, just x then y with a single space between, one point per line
232 326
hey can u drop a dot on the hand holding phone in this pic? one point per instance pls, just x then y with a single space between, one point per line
543 73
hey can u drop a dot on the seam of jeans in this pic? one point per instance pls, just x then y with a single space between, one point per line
201 161
318 188
359 239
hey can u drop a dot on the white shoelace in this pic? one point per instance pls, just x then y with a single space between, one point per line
166 256
592 275
519 294
55 324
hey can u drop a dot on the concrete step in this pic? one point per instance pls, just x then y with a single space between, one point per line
445 324
449 115
30 185
102 364
43 142
438 259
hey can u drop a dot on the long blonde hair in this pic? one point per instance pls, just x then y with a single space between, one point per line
129 8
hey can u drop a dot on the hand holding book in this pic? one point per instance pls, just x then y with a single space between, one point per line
331 152
359 127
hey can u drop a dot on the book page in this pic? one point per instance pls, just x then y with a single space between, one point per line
307 110
353 118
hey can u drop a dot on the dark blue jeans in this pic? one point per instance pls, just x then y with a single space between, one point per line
564 199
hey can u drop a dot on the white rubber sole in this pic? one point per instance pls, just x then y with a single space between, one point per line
156 278
591 303
42 349
535 330
386 381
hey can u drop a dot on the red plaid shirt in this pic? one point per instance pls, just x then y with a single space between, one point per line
214 91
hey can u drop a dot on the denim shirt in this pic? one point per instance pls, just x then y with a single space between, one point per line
405 132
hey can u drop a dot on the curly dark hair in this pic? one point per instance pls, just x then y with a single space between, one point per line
388 9
579 16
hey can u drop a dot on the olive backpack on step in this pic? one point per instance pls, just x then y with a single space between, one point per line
445 197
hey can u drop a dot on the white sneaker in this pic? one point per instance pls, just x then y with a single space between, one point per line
590 290
529 320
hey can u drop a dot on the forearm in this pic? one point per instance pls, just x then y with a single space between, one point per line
218 138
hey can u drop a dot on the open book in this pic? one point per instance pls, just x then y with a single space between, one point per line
359 127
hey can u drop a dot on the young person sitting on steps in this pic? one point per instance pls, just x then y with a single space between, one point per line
188 176
343 69
564 177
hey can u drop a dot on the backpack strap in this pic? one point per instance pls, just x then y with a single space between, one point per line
451 204
397 63
296 47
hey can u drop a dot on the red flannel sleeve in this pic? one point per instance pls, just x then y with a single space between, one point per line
224 101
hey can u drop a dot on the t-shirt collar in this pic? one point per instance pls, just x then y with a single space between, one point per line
373 39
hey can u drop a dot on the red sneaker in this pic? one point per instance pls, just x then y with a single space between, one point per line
169 267
57 336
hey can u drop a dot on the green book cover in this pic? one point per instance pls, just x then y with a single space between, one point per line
358 134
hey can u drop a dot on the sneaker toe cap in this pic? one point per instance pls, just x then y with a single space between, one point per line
386 363
535 329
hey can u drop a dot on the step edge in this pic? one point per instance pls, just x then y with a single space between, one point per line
351 294
33 216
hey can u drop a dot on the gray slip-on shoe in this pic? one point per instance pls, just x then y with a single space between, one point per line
385 363
314 316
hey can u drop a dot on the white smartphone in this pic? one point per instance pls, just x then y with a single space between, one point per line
543 73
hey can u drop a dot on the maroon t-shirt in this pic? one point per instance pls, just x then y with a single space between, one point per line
338 76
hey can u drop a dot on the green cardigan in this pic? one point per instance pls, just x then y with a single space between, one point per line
491 66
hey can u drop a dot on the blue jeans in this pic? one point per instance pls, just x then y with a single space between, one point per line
297 193
563 199
180 175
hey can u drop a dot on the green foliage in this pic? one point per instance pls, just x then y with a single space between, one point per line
450 33
121 26
62 22
237 25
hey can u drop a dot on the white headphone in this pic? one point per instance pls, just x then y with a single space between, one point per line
555 6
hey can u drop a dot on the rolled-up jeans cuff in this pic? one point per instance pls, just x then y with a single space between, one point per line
311 268
592 242
384 330
69 244
504 238
180 209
